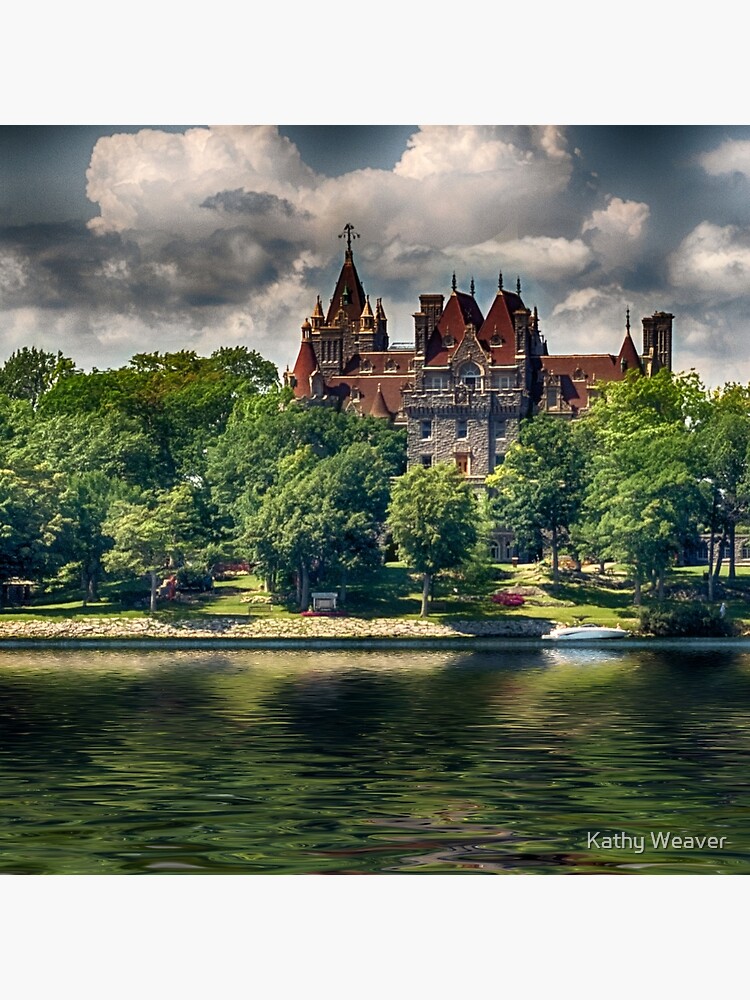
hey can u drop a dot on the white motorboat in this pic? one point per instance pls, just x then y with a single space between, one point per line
583 633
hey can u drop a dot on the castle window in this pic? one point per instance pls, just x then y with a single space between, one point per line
435 382
500 430
551 399
426 429
366 366
463 464
470 375
462 427
499 459
427 461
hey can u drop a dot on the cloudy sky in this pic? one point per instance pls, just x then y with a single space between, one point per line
119 240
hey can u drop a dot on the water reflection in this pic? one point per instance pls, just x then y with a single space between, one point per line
366 761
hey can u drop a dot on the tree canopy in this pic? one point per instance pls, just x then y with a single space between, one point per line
433 520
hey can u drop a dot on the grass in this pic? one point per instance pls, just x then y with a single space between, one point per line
393 592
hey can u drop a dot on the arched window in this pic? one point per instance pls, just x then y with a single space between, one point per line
469 375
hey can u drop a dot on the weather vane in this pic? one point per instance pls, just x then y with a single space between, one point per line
349 235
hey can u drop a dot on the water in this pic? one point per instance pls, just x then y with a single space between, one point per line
237 761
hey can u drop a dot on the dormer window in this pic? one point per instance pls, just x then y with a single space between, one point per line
366 365
448 340
469 375
391 366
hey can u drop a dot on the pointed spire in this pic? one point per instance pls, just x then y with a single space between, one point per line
471 286
453 283
627 320
379 405
518 284
500 282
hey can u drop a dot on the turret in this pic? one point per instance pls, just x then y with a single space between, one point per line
657 342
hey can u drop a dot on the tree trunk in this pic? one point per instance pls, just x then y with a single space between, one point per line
732 567
602 567
637 589
304 600
153 590
342 595
426 584
555 560
711 547
720 556
660 585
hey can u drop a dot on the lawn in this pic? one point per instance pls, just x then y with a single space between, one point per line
393 592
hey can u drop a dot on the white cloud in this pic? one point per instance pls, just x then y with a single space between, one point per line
480 149
732 156
712 261
615 232
153 180
543 258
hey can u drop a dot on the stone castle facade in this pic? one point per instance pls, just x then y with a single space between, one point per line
469 379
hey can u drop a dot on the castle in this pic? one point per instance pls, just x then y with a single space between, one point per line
463 388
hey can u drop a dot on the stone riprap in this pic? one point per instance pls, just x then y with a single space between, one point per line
74 629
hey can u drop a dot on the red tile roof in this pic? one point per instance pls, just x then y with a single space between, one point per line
500 322
304 366
347 279
387 391
628 353
377 363
459 311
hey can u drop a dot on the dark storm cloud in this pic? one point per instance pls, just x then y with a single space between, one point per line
239 202
222 268
66 266
62 265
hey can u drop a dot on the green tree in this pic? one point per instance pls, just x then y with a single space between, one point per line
30 522
643 504
432 518
245 463
155 533
322 517
85 501
540 486
30 372
724 456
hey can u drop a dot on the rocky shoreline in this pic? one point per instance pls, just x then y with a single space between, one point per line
263 629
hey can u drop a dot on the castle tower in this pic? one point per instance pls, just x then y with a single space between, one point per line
657 342
425 321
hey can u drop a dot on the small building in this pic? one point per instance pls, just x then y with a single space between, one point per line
16 591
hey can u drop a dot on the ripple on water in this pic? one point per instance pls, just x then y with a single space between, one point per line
189 762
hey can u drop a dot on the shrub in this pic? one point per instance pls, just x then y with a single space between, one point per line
190 578
507 598
692 618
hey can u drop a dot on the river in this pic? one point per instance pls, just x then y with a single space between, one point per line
515 760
